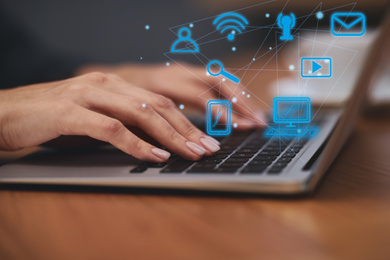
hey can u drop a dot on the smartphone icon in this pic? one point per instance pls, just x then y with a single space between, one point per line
218 118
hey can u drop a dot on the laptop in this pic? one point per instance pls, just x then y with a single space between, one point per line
249 162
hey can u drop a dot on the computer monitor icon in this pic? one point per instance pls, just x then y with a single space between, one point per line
291 110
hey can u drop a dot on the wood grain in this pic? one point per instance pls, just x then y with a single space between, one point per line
347 217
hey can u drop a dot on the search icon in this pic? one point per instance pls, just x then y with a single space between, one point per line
222 72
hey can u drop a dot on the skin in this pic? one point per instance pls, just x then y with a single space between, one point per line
188 84
105 106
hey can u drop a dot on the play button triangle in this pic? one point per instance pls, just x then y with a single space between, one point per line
315 66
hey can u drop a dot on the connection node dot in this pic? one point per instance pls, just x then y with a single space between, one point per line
181 106
234 100
147 27
320 15
267 15
167 64
235 125
291 67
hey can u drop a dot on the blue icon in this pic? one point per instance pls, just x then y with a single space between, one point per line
221 72
348 24
313 67
292 132
291 110
216 111
236 23
189 45
286 23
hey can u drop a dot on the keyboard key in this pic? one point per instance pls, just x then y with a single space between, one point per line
269 153
140 168
156 165
285 159
211 160
248 150
226 170
231 165
237 160
275 170
241 155
220 156
264 158
288 155
177 166
209 166
260 163
280 164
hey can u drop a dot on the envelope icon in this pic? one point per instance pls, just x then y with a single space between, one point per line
348 24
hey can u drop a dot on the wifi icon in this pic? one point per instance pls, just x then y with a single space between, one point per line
230 21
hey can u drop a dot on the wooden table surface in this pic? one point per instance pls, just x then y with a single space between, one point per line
347 217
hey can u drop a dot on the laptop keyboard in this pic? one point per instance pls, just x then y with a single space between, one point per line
242 152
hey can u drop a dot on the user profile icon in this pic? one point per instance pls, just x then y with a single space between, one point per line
184 44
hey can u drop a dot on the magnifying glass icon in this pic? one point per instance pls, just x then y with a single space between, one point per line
222 72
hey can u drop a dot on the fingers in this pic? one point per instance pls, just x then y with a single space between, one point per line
168 110
82 121
132 111
208 87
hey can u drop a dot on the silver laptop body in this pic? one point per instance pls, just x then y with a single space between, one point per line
110 167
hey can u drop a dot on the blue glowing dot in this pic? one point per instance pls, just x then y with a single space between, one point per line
248 96
270 48
253 59
233 48
147 27
267 15
181 106
167 64
320 15
235 125
191 25
234 100
230 37
140 58
291 67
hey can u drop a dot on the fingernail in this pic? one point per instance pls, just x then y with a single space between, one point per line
210 145
195 148
161 153
213 140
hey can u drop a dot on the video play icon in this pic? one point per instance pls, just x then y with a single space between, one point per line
316 67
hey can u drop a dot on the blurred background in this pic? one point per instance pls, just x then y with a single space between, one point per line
114 30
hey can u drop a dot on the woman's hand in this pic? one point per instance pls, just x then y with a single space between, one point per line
189 84
100 106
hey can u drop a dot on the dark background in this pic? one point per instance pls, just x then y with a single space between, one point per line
114 30
106 30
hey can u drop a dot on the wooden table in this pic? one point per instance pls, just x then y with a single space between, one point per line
348 217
